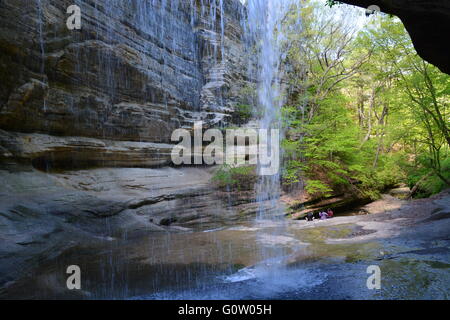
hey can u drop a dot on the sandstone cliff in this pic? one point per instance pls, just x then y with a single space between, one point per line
86 118
136 70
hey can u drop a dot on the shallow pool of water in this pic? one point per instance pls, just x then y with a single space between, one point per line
240 262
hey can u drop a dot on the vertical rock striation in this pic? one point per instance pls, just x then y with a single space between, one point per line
136 70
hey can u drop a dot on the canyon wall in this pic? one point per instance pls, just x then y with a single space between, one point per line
86 118
135 71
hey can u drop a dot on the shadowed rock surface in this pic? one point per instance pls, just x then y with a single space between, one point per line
136 70
44 214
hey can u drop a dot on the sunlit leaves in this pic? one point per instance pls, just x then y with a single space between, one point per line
365 110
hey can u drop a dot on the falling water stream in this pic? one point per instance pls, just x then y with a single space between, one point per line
265 18
264 30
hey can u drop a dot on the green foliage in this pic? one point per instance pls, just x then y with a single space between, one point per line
365 111
432 184
291 172
332 3
318 187
242 113
235 178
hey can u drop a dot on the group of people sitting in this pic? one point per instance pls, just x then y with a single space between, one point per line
319 215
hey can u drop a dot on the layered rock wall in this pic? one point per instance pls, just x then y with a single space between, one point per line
136 70
86 119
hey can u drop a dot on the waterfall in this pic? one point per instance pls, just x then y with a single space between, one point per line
265 30
41 21
267 36
41 34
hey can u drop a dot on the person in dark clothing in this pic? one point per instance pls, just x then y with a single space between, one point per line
310 216
317 215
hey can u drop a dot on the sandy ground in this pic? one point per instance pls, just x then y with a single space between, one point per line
390 217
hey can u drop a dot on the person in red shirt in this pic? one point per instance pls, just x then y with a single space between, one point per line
330 213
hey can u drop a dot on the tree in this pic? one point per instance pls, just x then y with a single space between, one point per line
421 87
364 111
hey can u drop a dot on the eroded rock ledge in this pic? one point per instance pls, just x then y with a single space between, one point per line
44 214
46 152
